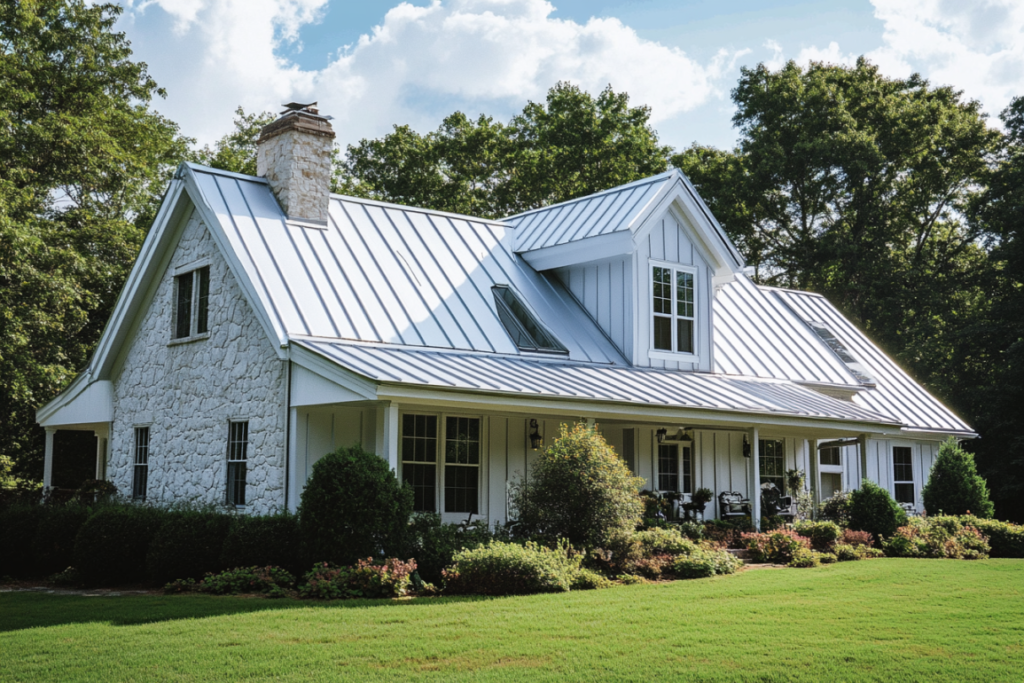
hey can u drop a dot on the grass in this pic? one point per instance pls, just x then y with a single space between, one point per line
879 620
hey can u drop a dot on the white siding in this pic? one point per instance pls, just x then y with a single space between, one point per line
604 289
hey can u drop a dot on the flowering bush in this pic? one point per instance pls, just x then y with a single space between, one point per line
510 569
365 579
778 547
270 581
863 538
727 532
1006 539
937 537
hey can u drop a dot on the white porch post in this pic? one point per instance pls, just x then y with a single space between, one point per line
296 464
102 439
387 434
755 478
48 459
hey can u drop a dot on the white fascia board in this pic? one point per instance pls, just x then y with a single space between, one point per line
93 404
620 411
360 386
717 228
274 328
609 245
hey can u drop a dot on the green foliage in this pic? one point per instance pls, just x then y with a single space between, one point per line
353 507
570 146
845 552
937 537
860 538
85 161
434 543
236 151
778 547
588 579
18 525
692 530
53 548
728 531
804 558
872 509
366 579
510 569
954 486
702 563
269 581
823 535
837 508
664 541
578 490
1006 539
111 546
270 540
188 545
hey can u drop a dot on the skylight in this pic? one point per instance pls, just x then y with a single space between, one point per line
830 339
521 325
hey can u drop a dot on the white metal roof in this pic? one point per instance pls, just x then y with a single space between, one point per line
494 373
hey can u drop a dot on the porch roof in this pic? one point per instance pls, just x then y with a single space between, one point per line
538 377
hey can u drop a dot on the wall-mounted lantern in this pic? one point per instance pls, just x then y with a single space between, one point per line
536 440
683 436
661 434
746 447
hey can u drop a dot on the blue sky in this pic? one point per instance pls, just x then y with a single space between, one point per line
376 63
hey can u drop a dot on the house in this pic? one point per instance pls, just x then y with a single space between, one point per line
267 322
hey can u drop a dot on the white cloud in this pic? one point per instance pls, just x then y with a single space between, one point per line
830 55
490 55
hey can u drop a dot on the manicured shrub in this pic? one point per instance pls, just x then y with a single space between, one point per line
19 522
53 548
823 535
692 530
728 532
704 562
270 581
1006 539
262 541
434 543
510 569
353 507
664 542
837 508
778 547
805 558
845 552
954 486
188 545
773 522
578 490
937 537
111 545
872 509
588 579
853 537
366 579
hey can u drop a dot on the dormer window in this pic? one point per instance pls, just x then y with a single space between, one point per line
520 323
674 317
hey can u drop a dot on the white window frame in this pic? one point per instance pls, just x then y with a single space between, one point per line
831 469
681 463
232 458
664 354
895 481
440 464
192 269
785 459
136 465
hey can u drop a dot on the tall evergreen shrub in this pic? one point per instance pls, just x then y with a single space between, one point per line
872 509
111 546
53 547
352 508
271 540
579 489
188 545
954 486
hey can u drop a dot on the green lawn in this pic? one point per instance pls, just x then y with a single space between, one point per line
879 620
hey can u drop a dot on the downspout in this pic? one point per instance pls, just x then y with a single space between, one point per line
287 433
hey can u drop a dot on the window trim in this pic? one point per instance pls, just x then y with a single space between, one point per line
440 464
681 462
143 466
195 270
665 354
896 482
761 460
229 460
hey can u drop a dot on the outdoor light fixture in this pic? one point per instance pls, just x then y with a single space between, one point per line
683 435
661 434
536 440
746 447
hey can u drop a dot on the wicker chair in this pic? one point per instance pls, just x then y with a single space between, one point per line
774 503
733 504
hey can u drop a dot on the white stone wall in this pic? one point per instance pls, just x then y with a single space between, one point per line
298 166
187 393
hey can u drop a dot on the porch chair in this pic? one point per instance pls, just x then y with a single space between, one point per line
774 503
733 504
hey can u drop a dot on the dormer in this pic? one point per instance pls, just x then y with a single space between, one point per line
643 260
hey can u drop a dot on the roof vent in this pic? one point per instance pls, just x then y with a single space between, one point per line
522 325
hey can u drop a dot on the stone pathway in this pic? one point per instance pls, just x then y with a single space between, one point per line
85 593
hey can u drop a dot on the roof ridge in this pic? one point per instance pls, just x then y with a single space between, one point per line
633 183
200 168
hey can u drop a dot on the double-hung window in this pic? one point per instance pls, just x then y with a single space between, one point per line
830 471
191 303
772 456
140 474
238 458
673 303
902 474
450 484
675 468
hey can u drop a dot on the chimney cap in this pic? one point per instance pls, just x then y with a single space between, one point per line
298 106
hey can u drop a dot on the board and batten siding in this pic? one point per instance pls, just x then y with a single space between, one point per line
879 464
605 290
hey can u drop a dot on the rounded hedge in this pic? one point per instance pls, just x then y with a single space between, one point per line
54 545
954 486
353 507
188 545
111 546
18 524
578 489
270 541
872 509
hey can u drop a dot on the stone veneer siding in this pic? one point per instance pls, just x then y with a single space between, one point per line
187 393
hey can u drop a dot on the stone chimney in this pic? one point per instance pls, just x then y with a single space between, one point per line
294 154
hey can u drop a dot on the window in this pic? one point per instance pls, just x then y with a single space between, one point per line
832 341
830 473
829 456
140 476
772 456
527 334
673 309
457 477
902 474
419 459
238 456
191 307
675 468
831 484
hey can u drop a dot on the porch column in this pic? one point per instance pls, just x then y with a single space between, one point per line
295 463
755 478
48 459
862 447
387 434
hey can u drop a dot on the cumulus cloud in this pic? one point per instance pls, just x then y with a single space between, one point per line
491 55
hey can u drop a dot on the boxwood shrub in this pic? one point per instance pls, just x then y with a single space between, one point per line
53 548
823 535
270 540
18 524
188 545
509 569
872 509
111 545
